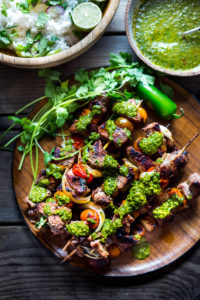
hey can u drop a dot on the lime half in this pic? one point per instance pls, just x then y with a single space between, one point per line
86 16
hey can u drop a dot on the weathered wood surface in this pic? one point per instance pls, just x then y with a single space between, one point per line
27 269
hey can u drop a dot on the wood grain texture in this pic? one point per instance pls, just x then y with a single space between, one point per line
29 271
70 53
185 227
18 86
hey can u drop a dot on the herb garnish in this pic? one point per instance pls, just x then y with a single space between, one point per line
63 100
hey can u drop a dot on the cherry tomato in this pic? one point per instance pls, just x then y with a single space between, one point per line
175 191
85 112
151 169
114 250
123 202
124 123
78 142
143 114
91 217
80 171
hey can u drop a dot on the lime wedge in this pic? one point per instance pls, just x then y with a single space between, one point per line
86 16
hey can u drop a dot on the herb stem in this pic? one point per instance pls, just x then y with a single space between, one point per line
29 104
6 131
13 139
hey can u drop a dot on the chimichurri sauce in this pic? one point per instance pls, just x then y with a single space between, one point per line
157 27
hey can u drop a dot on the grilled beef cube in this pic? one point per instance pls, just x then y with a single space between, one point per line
172 162
151 128
68 162
78 184
97 155
137 119
57 226
100 197
127 240
53 182
169 141
120 137
143 162
191 188
72 129
100 248
122 182
101 101
127 222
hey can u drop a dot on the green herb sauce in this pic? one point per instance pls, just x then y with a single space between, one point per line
62 199
110 127
85 120
136 198
55 171
147 186
38 194
65 214
123 170
110 185
78 228
43 182
161 212
157 26
142 249
151 144
85 154
47 209
110 163
50 200
126 109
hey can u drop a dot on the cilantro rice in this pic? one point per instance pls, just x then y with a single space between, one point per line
32 28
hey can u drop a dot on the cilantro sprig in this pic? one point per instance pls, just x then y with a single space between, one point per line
64 100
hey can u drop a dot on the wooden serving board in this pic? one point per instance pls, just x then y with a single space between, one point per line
168 243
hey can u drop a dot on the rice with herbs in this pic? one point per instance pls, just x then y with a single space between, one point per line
32 28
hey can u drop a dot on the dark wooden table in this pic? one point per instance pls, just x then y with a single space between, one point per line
27 269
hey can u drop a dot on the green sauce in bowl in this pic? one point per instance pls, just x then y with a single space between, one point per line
157 27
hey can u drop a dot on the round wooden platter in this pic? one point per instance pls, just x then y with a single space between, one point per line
168 243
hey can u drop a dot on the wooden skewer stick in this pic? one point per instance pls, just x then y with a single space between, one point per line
92 251
67 244
139 104
106 145
69 255
189 143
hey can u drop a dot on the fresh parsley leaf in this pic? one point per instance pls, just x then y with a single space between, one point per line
50 74
123 59
5 39
42 223
24 7
4 9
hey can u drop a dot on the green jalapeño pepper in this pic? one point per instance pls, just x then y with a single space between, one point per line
158 101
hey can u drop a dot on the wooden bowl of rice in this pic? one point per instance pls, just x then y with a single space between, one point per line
68 54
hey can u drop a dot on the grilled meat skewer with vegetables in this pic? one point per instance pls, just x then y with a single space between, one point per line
79 194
